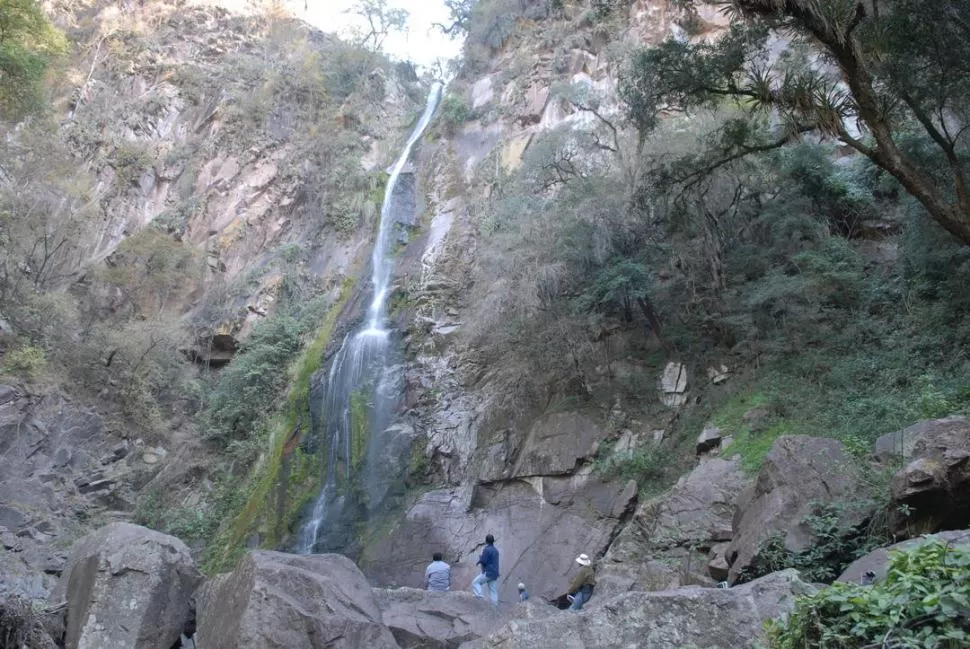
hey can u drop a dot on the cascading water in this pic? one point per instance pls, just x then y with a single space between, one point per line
358 377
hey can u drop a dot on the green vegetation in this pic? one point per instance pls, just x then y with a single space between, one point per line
654 467
29 43
751 445
901 65
26 361
921 604
833 549
588 259
489 25
360 411
255 508
454 112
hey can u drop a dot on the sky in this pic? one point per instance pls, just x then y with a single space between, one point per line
422 43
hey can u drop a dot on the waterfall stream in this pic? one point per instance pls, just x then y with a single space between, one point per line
358 378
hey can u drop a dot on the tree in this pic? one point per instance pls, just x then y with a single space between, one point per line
381 21
28 43
889 78
460 14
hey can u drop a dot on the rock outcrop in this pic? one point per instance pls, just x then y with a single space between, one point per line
420 619
540 524
713 618
127 587
932 491
59 466
799 474
668 541
276 600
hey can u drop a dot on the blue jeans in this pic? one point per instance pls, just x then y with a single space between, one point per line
580 598
492 587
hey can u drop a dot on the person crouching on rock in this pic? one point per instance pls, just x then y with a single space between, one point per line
437 575
583 584
523 593
489 563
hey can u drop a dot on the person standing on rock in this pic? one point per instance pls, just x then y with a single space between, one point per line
437 575
582 585
489 563
523 593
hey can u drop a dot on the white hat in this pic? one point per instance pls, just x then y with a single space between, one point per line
521 586
583 560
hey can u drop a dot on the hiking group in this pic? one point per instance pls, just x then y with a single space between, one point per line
438 577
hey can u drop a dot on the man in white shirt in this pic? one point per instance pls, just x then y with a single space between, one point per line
437 575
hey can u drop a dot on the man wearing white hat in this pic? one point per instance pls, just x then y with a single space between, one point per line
583 583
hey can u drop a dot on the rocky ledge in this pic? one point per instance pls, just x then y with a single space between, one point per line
129 587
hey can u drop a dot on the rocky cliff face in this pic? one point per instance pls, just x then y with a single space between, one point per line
257 145
497 457
204 168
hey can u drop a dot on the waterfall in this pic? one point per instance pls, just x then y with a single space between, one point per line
359 369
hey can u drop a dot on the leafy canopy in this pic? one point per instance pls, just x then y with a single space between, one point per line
28 43
889 78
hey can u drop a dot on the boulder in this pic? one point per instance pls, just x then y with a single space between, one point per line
673 385
932 492
877 561
713 618
717 566
667 542
708 440
799 473
276 600
127 587
757 419
902 443
482 92
419 619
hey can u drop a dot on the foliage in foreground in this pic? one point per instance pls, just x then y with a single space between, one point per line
924 603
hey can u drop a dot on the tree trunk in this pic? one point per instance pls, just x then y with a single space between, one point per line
651 314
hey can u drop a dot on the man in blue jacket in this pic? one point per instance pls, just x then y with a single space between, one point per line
489 564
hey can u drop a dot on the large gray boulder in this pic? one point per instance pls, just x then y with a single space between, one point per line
932 491
667 542
799 474
877 561
273 600
127 587
420 619
902 443
708 618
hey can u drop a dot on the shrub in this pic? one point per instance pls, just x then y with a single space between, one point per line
921 604
27 361
454 112
833 549
249 387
